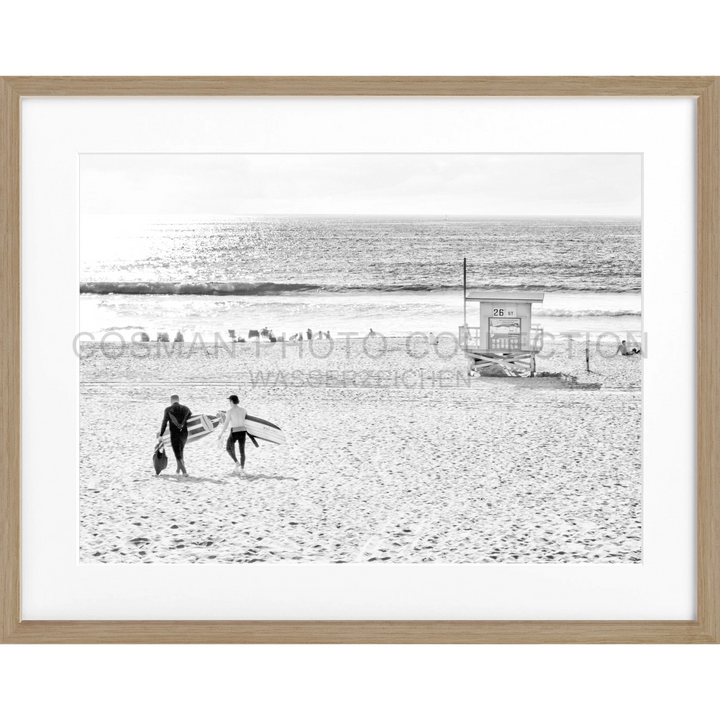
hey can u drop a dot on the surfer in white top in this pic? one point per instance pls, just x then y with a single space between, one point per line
235 419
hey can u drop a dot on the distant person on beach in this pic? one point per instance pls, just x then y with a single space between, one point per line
327 335
623 349
177 416
309 334
371 333
179 337
235 419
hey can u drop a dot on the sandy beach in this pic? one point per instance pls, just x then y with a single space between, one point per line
393 455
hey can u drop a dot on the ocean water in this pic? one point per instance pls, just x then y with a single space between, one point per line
395 275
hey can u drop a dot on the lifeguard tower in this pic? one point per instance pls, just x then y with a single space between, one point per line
499 337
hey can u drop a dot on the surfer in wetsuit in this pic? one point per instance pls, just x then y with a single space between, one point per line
235 419
177 416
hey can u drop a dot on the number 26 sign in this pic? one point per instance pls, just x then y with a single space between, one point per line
503 312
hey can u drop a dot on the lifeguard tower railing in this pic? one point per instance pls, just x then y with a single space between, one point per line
477 339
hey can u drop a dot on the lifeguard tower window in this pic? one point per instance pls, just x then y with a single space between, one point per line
504 333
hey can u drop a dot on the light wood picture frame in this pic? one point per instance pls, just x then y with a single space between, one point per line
705 629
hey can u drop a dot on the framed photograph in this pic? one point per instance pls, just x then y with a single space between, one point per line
363 360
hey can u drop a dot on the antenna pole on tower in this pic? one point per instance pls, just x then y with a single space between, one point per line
464 291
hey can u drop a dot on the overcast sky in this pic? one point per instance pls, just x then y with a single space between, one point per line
383 184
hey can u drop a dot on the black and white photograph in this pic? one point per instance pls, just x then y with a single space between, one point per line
360 358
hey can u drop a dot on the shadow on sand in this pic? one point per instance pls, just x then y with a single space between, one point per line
252 477
547 381
194 479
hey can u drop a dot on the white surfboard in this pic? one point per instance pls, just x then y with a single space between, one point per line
199 426
260 429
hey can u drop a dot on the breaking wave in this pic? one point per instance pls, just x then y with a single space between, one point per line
115 328
561 312
270 288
